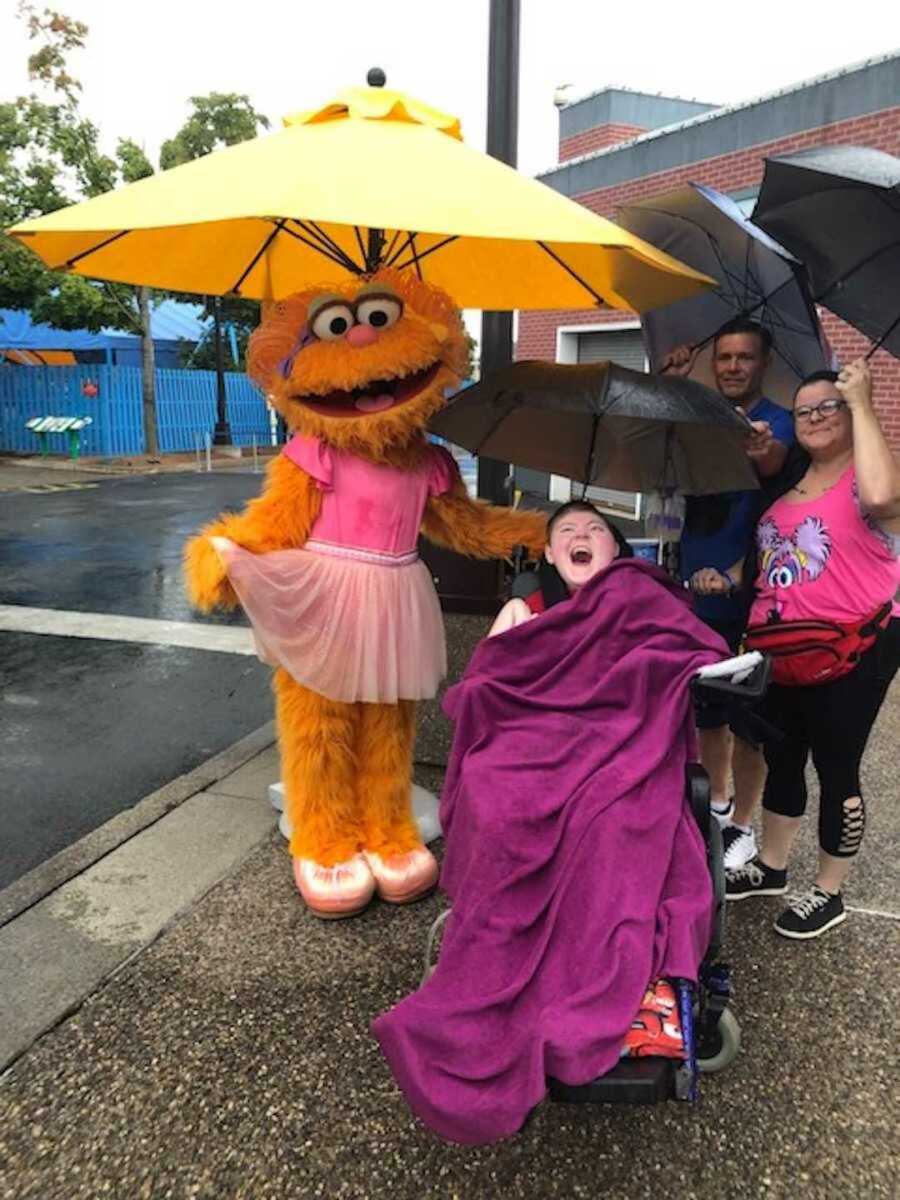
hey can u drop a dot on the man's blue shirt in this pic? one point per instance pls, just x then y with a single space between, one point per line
734 516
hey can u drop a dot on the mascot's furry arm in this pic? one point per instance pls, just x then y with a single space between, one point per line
471 527
280 519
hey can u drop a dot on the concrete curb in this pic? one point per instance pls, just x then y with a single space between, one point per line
52 874
79 919
92 467
89 467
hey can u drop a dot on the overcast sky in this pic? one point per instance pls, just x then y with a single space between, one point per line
145 59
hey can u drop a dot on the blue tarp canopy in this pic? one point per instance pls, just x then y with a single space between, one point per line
170 321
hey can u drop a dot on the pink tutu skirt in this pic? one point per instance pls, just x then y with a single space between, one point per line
352 625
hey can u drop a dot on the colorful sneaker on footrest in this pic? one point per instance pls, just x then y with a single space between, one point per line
656 1030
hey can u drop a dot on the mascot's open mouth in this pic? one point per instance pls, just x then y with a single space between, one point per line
377 396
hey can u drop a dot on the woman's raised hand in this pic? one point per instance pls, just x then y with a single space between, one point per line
854 382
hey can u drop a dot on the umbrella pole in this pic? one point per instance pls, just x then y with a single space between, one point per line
374 248
592 453
222 432
502 141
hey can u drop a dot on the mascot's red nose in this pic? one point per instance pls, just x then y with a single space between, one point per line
361 335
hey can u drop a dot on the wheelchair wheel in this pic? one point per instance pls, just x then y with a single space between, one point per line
718 1046
716 859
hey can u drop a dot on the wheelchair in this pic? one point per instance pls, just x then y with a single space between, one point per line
710 1028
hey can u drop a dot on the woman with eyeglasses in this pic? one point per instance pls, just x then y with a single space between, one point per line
827 578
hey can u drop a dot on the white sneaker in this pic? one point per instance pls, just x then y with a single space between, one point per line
739 845
723 815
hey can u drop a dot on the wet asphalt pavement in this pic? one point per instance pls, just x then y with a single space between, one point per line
88 727
115 547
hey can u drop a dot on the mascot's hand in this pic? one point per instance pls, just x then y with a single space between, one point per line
207 580
481 530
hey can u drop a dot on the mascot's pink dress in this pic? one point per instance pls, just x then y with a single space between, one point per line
353 615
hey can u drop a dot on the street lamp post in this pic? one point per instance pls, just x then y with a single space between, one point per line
222 431
502 138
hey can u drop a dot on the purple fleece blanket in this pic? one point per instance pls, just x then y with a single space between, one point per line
575 868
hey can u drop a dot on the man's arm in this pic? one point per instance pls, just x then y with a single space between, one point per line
764 450
710 581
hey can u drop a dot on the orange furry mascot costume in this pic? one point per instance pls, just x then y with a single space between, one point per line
324 563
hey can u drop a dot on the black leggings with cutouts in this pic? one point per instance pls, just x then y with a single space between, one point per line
832 721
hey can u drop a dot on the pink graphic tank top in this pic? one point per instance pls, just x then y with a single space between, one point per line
823 558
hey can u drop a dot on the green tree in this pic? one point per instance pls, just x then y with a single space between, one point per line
50 157
219 119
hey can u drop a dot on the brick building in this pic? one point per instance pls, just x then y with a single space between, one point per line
670 142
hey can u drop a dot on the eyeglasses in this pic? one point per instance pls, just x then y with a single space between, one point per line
826 408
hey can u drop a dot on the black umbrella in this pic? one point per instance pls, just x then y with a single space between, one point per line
602 424
755 277
837 208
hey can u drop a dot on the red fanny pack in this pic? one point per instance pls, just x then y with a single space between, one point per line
809 652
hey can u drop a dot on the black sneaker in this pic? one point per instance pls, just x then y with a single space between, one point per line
754 879
811 914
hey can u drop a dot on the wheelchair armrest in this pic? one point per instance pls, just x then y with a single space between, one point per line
746 678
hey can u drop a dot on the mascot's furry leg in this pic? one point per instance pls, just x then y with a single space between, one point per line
318 740
404 870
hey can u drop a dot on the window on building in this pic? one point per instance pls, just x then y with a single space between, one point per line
745 199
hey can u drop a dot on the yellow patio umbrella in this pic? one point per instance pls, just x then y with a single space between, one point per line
375 178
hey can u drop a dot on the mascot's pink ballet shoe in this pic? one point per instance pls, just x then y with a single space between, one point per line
402 878
332 892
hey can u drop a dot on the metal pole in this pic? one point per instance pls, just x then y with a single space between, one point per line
208 454
502 138
221 433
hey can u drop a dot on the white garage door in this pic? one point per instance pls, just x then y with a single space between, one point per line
622 346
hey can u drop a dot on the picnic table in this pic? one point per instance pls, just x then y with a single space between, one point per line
42 426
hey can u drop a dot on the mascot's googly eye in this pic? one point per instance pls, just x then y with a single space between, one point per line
332 321
379 311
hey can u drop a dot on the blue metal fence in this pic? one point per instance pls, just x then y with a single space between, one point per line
185 407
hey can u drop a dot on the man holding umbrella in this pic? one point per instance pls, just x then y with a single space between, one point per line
718 534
